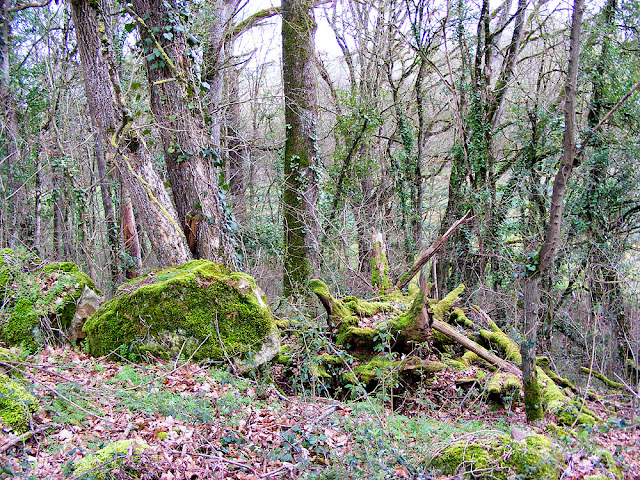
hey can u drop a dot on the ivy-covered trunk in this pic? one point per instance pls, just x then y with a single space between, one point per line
192 160
300 158
130 155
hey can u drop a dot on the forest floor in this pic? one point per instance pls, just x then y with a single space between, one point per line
191 421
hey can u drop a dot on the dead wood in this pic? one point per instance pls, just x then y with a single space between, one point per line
469 344
430 252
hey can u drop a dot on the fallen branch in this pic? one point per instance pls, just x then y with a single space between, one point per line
607 381
430 252
469 344
12 441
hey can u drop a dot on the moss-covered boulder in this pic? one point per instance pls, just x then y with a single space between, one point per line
108 458
198 310
38 301
498 456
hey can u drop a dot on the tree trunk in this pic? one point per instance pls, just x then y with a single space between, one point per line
300 159
131 242
543 263
192 161
104 95
107 206
236 148
10 123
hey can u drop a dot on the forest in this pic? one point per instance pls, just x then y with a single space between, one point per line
320 239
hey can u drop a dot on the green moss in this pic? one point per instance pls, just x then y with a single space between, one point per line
419 365
502 383
356 337
465 458
607 381
362 308
378 368
284 358
533 399
16 404
380 271
22 322
497 337
534 458
407 327
190 308
458 317
6 256
106 456
440 308
566 410
321 363
469 357
544 363
500 458
38 292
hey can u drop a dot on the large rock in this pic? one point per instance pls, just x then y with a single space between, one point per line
198 310
39 301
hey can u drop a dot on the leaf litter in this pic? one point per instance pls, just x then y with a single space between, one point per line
201 423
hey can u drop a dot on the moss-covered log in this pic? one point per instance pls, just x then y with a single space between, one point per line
545 364
607 381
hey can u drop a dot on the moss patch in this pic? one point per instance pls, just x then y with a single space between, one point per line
566 410
16 404
191 308
500 457
109 457
497 338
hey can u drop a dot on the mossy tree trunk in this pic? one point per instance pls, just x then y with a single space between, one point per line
543 262
300 158
102 86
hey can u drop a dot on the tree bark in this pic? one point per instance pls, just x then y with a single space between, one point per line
192 160
128 151
11 162
107 206
131 242
300 159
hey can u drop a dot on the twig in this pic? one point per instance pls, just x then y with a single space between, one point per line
224 350
628 387
221 459
172 371
21 438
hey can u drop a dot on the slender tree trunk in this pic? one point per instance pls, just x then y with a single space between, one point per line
236 147
543 263
107 206
102 86
130 239
10 122
300 159
38 241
